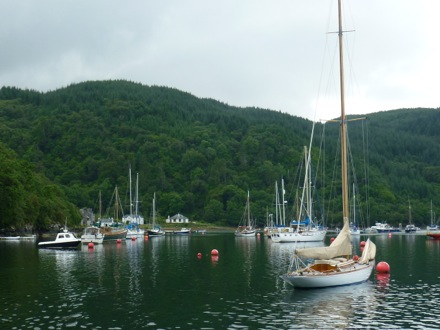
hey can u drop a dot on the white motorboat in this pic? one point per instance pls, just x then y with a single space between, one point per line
92 235
182 231
64 240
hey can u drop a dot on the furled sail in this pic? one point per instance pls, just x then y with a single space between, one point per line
341 246
369 252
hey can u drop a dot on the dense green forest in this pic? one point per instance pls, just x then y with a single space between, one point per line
200 156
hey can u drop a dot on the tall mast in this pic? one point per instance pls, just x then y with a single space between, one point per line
344 171
248 211
277 204
116 204
100 205
137 198
283 191
131 203
154 210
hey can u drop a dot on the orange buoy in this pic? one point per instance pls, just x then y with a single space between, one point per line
91 245
383 267
363 243
118 241
214 252
133 238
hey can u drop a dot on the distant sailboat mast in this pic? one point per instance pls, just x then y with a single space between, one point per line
137 199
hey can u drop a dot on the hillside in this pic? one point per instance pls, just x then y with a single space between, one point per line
201 156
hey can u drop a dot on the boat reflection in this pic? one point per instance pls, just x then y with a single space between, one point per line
248 247
340 307
154 246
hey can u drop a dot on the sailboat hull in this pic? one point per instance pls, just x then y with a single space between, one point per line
353 275
245 233
306 236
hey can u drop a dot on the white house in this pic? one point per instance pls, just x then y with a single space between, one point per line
178 218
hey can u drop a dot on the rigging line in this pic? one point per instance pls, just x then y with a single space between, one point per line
365 144
320 174
355 183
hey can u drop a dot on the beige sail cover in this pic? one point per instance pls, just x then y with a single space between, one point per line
369 252
341 246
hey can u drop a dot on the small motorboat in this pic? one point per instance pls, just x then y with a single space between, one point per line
433 235
182 231
64 240
410 229
92 235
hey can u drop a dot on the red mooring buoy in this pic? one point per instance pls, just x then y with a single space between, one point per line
363 243
199 255
214 252
332 239
133 238
91 245
382 267
118 241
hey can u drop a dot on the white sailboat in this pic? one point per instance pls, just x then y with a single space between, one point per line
433 225
306 230
134 220
410 227
155 229
334 265
247 228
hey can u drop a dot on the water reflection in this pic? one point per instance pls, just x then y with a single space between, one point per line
331 308
246 247
161 284
59 270
134 258
154 245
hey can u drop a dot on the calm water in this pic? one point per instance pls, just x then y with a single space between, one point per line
161 284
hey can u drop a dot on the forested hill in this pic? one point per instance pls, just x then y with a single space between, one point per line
200 156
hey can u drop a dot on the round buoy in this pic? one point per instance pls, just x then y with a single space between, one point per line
214 252
118 241
363 243
199 255
133 238
146 237
389 234
355 257
91 245
332 239
383 267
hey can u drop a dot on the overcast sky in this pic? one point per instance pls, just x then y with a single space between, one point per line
273 54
